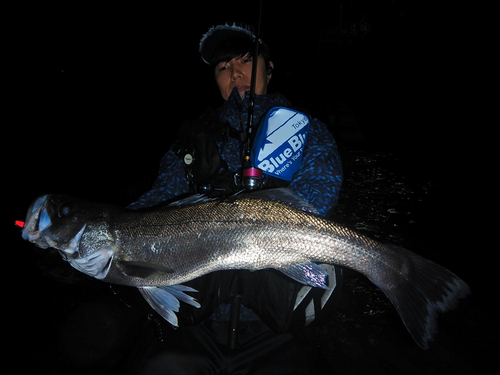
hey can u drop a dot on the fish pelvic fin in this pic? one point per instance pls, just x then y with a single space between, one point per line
420 293
165 300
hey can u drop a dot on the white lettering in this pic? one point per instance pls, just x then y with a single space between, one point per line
281 158
278 164
295 143
297 155
274 162
266 166
302 138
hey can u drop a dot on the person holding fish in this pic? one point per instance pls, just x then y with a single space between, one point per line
242 267
242 310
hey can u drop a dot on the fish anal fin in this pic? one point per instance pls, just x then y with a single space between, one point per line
307 273
142 270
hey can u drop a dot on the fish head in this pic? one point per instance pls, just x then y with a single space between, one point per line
80 230
55 220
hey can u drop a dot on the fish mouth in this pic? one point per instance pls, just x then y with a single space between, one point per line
38 224
37 220
40 230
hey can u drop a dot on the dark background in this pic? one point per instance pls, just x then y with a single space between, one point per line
101 89
96 93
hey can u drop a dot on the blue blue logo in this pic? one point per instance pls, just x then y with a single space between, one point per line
279 142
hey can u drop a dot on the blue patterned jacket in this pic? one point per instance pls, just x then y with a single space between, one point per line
318 181
267 293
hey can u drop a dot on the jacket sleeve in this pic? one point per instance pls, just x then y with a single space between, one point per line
320 177
170 182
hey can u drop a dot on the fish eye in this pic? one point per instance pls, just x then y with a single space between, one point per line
64 210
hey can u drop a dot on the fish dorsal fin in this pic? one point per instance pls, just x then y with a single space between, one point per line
190 201
282 195
142 269
165 300
187 200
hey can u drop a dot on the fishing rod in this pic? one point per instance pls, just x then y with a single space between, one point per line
251 175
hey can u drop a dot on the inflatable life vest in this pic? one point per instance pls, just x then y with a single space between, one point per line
206 171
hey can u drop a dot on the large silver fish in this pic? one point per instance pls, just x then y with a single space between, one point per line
158 249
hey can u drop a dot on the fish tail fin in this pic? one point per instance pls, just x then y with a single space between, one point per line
420 292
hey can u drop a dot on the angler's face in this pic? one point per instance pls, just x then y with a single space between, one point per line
238 73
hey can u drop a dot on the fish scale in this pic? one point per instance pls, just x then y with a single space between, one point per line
251 236
158 249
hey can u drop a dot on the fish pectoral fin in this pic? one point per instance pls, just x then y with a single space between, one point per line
307 273
142 269
96 264
165 300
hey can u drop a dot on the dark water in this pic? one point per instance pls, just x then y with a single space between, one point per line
62 322
394 196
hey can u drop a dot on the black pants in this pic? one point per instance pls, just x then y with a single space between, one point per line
202 349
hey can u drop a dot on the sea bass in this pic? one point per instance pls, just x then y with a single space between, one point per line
158 249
